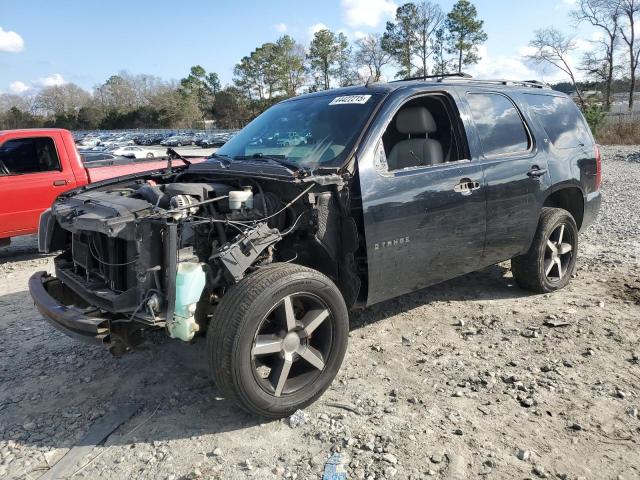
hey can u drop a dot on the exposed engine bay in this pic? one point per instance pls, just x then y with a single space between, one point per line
161 250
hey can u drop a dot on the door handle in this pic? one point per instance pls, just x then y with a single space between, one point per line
59 183
466 186
536 172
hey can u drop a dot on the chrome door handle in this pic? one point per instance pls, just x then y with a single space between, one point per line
536 172
59 183
466 186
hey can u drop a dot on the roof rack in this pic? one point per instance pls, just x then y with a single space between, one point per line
427 77
466 77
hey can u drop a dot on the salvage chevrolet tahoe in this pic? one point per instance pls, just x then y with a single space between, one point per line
265 247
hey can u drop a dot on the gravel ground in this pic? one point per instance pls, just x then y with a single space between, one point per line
472 378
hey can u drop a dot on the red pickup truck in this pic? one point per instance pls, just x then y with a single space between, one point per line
36 166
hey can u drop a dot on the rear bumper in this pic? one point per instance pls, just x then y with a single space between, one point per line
55 302
591 209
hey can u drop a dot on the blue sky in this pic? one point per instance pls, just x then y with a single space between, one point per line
44 42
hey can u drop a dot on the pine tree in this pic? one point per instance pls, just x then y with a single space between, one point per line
464 33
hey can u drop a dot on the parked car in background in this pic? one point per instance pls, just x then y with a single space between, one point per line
216 140
37 165
150 139
291 138
91 158
89 141
119 141
177 141
133 151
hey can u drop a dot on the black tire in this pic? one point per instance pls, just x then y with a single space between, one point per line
150 155
530 269
232 336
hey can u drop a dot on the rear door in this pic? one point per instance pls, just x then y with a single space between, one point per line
515 172
32 174
423 223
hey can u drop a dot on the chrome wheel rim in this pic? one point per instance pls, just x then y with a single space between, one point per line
292 344
558 253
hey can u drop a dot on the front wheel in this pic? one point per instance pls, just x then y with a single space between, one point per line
551 259
277 339
150 155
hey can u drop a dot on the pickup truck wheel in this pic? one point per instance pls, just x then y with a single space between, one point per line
277 339
551 259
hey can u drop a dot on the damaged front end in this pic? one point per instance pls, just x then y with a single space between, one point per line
159 250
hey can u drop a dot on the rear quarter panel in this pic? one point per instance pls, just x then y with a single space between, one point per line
574 166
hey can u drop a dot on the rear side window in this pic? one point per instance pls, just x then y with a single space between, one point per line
499 124
28 155
561 120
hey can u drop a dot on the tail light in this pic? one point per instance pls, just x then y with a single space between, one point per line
596 151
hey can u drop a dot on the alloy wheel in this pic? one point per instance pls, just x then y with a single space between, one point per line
558 253
292 344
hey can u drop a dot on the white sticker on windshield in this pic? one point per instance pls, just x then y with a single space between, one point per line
350 99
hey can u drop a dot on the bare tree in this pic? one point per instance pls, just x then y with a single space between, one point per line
553 47
371 55
60 100
629 10
604 15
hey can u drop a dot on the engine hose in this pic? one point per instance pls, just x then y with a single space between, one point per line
222 235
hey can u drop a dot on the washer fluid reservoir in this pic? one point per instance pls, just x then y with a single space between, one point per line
190 281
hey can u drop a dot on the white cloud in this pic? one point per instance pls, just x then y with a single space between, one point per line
10 41
53 80
367 13
18 87
508 67
280 27
517 67
316 28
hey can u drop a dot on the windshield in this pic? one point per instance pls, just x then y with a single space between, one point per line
306 132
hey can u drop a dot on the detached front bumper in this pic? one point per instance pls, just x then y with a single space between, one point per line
57 303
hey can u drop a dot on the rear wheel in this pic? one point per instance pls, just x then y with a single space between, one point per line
551 259
277 339
150 155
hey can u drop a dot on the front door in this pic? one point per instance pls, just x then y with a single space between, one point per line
31 177
423 201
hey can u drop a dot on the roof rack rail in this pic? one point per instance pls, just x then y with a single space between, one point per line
522 83
427 77
466 77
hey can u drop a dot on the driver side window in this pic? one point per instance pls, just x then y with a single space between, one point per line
422 134
28 155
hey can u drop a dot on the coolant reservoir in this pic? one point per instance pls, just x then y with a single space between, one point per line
190 281
241 198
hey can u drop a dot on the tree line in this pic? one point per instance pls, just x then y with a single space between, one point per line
420 40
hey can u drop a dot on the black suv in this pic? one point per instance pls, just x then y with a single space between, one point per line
265 247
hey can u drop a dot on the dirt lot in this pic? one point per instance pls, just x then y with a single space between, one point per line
473 378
